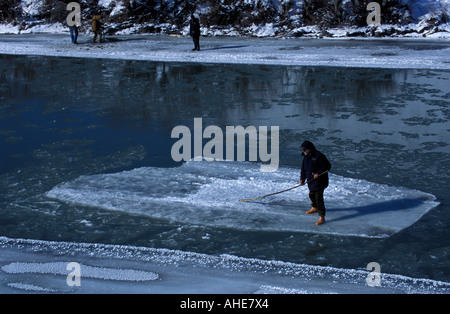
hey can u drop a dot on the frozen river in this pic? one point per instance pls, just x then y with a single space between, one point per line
87 174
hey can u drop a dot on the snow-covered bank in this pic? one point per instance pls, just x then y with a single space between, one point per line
373 53
420 30
40 267
262 18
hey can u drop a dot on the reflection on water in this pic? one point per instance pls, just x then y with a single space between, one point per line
349 109
133 91
357 103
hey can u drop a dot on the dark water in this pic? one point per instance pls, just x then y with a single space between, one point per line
61 118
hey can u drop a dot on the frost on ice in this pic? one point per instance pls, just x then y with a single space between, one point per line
149 270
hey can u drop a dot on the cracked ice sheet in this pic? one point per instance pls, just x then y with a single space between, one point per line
32 266
208 193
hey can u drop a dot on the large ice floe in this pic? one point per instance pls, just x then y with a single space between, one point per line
208 193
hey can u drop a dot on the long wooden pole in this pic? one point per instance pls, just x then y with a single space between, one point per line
291 188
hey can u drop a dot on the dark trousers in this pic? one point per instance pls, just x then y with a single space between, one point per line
73 34
196 42
317 201
97 34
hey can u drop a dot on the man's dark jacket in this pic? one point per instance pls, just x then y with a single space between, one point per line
194 27
314 162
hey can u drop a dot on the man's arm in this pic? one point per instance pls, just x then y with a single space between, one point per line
302 174
324 165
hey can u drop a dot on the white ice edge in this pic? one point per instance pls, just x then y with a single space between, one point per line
191 272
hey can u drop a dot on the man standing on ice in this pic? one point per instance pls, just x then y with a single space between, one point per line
315 167
194 31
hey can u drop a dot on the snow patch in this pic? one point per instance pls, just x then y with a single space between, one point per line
60 268
31 7
266 30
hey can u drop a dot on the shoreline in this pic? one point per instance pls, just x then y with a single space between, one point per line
405 53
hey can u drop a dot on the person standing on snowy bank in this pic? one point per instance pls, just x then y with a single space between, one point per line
194 31
315 167
97 27
74 33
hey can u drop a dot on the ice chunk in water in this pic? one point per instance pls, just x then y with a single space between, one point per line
208 193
